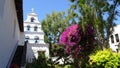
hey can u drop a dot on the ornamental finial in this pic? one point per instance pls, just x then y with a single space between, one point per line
32 9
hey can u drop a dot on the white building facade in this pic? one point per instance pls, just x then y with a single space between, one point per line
114 39
11 31
35 37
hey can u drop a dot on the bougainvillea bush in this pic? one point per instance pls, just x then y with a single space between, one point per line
78 42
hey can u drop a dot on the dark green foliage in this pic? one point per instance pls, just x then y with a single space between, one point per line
55 24
71 0
101 14
52 26
41 62
57 50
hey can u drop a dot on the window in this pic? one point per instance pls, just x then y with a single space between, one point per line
27 38
28 28
32 19
35 28
117 37
112 39
36 39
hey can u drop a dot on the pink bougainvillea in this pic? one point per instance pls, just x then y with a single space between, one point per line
77 41
71 36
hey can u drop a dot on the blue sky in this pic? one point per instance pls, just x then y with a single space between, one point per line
43 7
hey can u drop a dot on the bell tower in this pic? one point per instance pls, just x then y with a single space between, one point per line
34 35
32 29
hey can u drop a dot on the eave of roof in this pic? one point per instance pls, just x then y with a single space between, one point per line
19 11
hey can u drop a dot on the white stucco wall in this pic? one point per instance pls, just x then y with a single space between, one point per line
32 25
9 31
21 39
32 36
30 15
116 30
32 51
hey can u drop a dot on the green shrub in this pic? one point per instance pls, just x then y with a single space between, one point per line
41 62
68 66
104 59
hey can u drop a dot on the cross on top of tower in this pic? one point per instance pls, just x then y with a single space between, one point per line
32 12
32 9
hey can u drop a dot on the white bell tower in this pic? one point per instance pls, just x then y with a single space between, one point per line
35 37
32 29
